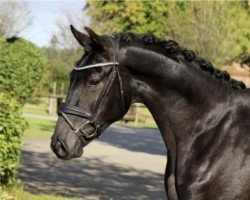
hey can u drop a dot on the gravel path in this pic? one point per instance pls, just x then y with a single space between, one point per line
125 163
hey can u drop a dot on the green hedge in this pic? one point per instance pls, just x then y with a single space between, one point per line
21 68
12 126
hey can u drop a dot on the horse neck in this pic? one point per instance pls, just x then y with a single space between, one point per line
175 94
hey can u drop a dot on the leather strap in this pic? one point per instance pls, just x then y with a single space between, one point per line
74 110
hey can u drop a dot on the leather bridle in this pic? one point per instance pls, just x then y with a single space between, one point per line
93 116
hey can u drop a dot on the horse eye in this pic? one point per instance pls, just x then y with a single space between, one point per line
94 82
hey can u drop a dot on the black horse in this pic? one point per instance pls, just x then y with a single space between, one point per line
203 114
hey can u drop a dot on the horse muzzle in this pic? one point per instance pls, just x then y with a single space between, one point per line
64 151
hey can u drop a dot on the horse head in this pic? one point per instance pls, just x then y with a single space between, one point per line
95 97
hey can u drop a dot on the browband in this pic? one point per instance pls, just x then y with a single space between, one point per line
96 65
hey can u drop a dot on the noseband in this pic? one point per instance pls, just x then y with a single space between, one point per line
93 116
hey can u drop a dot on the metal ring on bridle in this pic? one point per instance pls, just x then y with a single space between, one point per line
84 133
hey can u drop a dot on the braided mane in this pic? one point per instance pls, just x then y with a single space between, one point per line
172 49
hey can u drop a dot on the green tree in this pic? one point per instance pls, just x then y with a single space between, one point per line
21 68
218 31
60 63
128 16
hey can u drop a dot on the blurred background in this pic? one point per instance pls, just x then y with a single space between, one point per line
38 51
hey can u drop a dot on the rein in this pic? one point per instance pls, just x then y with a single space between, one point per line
92 117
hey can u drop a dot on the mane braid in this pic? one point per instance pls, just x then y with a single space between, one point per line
172 49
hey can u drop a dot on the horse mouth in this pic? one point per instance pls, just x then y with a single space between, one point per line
62 152
78 153
70 157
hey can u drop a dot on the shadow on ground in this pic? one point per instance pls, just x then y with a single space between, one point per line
135 139
88 177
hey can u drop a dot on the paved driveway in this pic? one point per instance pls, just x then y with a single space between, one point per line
125 163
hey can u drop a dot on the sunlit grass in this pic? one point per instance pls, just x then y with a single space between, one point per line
39 106
23 195
39 128
17 193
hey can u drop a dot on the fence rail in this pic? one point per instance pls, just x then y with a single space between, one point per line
137 113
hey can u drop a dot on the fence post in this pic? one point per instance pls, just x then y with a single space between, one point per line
136 113
50 104
51 99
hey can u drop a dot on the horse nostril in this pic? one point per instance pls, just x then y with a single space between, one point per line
58 145
60 149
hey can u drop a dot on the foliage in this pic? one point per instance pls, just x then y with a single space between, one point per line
12 126
218 31
18 193
60 63
126 16
21 68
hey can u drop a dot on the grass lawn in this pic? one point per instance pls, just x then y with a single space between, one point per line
39 128
41 106
17 193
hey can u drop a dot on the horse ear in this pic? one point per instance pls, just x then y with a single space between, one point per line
83 39
94 37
